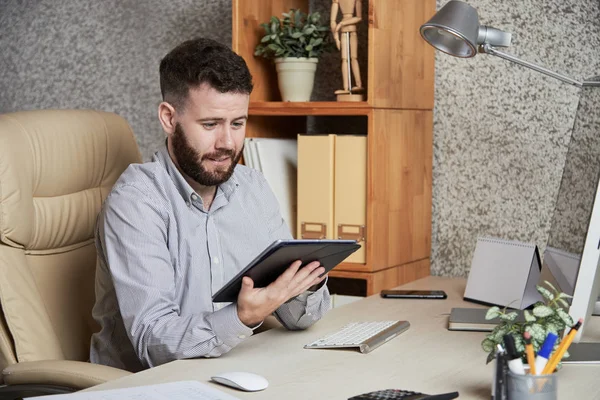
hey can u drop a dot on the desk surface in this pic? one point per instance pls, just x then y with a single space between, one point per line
427 358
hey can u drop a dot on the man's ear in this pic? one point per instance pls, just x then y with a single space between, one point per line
166 116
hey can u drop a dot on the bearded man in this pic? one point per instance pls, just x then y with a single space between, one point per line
176 229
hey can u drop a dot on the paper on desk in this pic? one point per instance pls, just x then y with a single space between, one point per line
183 390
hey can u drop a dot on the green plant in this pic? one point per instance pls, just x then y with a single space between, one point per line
546 316
296 35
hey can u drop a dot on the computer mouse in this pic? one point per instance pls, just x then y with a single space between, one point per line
246 381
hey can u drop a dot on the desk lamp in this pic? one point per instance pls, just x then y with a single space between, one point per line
455 30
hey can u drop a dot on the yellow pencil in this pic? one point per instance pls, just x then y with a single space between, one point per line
529 351
562 348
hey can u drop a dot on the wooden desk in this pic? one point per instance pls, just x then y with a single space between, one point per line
427 358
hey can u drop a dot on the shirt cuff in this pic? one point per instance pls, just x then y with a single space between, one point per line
257 326
303 297
227 326
319 285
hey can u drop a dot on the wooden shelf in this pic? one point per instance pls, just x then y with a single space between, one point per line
275 108
397 118
377 281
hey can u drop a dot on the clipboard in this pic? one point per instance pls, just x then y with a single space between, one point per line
276 258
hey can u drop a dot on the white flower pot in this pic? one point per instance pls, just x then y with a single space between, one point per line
296 77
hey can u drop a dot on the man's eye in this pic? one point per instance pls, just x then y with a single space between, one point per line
209 125
238 124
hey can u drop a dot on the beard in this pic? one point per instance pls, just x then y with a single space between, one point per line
191 161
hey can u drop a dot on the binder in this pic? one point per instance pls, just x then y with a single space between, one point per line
315 186
332 189
254 156
278 160
350 192
250 155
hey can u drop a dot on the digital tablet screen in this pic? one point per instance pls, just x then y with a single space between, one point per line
276 258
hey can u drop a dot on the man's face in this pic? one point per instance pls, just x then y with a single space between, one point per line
209 134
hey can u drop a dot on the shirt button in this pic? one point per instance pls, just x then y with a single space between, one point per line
216 260
187 203
194 196
309 314
242 336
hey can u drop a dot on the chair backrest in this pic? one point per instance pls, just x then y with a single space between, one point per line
56 168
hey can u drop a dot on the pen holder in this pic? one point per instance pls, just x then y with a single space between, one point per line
532 387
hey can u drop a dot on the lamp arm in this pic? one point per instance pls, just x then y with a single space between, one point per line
488 49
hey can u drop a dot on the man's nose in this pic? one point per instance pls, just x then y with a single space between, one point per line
225 139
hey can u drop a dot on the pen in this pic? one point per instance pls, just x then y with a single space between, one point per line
542 357
514 358
562 348
529 351
498 382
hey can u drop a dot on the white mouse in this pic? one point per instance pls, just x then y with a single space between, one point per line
246 381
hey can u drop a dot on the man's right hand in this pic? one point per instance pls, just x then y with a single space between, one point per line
256 304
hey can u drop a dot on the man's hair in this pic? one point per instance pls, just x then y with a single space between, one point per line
199 61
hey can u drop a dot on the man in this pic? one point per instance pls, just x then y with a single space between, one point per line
174 230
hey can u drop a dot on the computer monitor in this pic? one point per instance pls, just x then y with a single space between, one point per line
572 254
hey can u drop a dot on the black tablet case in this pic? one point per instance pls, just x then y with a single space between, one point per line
276 258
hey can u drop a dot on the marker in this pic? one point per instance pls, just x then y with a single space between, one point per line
529 351
514 358
562 348
542 357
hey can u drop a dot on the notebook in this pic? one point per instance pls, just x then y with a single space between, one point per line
182 390
473 319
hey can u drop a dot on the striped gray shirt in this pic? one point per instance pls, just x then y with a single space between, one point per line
162 257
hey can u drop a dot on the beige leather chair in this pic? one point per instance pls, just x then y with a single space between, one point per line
56 168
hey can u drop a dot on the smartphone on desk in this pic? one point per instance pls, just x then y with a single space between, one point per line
414 294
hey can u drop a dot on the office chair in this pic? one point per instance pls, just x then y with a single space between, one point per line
56 168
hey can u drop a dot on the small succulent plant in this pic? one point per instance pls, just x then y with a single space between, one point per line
547 316
296 35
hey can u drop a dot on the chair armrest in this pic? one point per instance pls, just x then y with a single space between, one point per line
73 374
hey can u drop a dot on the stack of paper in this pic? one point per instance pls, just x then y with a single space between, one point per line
183 390
277 159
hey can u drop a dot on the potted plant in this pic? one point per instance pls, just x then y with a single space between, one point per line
295 43
546 316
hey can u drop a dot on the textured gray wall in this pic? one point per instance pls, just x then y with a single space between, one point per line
500 135
98 54
501 131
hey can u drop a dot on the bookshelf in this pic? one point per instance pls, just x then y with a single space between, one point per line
399 112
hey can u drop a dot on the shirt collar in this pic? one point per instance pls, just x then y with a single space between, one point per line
227 188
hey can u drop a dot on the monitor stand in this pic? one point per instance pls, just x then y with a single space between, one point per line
596 310
583 353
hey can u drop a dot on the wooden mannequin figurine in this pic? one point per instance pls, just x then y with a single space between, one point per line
344 34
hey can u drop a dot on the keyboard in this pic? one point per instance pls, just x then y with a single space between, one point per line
366 336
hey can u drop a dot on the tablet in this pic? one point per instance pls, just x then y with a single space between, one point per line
276 258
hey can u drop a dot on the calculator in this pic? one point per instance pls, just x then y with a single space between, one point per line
399 394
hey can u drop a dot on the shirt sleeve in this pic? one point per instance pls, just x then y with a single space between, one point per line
132 233
307 308
304 310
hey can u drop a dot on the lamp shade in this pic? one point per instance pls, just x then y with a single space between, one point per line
454 29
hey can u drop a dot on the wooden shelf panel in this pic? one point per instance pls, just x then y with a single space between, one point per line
309 108
387 278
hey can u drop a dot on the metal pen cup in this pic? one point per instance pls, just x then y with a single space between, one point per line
532 387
